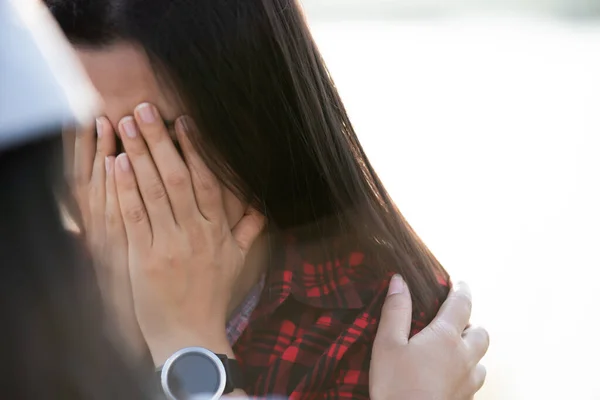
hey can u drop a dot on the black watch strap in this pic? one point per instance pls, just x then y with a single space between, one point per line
233 371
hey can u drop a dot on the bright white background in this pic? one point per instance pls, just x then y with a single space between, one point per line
487 133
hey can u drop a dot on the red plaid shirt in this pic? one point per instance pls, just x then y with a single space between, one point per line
310 336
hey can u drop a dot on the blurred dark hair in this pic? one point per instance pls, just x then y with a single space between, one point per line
52 341
273 127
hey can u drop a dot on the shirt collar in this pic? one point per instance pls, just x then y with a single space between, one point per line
315 275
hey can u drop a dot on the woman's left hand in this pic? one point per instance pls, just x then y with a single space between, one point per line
183 257
440 362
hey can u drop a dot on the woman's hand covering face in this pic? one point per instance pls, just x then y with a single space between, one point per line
183 256
90 166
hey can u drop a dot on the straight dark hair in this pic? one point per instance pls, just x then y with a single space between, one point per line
52 341
273 126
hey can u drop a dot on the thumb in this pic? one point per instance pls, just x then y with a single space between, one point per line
396 315
248 229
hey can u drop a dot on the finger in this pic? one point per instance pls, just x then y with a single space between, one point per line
118 273
207 188
68 141
455 313
477 341
83 159
150 185
135 218
102 267
396 315
248 229
474 381
171 167
478 378
105 146
74 212
115 229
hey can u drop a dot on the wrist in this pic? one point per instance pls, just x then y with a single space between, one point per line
216 342
196 370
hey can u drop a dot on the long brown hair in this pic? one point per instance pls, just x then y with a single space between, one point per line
273 125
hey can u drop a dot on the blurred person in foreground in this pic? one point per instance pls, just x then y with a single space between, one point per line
53 343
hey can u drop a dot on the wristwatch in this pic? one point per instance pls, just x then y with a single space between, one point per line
196 373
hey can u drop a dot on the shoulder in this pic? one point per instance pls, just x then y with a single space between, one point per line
314 328
372 286
344 277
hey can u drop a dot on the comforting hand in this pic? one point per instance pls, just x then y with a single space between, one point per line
439 363
95 191
183 256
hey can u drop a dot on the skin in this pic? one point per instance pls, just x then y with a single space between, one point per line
124 78
442 362
177 251
123 88
166 234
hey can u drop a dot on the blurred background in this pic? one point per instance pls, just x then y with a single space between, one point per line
482 118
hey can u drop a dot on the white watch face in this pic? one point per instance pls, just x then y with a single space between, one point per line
193 374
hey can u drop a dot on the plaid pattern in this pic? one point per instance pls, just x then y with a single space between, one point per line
310 336
241 316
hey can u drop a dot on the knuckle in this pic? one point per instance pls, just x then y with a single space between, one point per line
216 236
445 330
155 191
176 179
463 300
484 335
202 235
480 337
397 304
206 182
136 149
220 233
112 218
135 214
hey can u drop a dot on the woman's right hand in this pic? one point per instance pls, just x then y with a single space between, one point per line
92 179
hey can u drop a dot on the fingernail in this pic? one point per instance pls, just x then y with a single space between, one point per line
128 125
397 285
462 286
99 127
124 162
146 113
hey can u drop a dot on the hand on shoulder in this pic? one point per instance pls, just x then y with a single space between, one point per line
439 363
